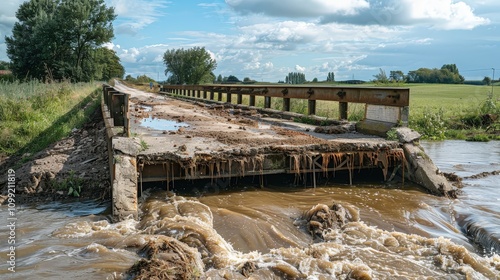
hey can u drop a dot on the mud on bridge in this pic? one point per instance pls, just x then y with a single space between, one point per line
177 135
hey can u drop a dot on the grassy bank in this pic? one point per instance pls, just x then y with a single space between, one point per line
454 111
33 115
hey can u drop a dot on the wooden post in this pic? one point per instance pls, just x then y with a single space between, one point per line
212 94
239 98
286 104
252 100
343 110
228 96
219 96
117 108
311 107
267 102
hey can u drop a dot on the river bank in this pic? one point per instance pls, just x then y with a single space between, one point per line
74 168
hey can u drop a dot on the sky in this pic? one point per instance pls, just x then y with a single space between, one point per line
266 39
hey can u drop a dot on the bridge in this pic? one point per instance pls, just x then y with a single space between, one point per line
194 132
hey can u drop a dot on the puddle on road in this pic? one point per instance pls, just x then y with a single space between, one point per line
162 124
146 108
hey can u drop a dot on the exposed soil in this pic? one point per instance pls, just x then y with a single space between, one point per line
78 161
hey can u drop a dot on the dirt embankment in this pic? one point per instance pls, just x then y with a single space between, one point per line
75 167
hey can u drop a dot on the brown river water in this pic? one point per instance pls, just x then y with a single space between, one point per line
395 231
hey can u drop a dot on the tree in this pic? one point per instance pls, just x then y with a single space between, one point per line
295 78
191 66
487 81
4 65
396 76
315 80
107 65
330 77
56 39
381 77
232 79
448 74
219 79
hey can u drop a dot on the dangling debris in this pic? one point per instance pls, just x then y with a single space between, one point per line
167 258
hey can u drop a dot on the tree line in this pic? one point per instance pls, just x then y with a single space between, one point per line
447 74
62 40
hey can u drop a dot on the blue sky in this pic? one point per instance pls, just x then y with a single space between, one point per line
266 39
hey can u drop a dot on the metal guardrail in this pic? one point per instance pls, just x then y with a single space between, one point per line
384 96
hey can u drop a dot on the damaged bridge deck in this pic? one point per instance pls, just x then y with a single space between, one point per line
168 139
178 140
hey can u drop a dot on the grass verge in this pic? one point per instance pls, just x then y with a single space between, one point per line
34 115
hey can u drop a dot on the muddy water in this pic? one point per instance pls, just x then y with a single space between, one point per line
394 231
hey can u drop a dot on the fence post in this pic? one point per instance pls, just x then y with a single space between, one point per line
286 104
252 100
343 107
311 107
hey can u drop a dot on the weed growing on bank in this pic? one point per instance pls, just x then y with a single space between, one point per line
33 114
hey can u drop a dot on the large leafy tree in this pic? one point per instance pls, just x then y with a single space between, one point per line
192 66
107 65
56 39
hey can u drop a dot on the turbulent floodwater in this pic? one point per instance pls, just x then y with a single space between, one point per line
393 232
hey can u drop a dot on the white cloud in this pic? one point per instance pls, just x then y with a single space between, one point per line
298 8
134 15
299 68
445 14
7 20
439 14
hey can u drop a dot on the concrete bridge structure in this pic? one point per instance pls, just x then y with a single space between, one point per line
217 131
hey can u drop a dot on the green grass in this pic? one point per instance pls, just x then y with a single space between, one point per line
33 115
441 111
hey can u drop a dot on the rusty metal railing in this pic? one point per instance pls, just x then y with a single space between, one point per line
379 96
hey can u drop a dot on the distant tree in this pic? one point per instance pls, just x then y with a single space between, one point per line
381 77
247 80
487 81
191 66
295 78
144 79
4 65
219 79
330 77
396 76
315 80
448 74
56 39
232 79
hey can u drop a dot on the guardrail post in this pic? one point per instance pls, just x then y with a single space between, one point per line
311 107
239 98
198 93
228 96
343 107
267 102
252 100
286 104
219 96
204 94
118 109
212 93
